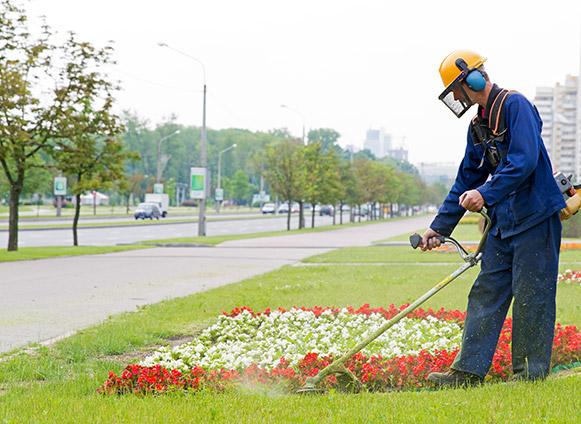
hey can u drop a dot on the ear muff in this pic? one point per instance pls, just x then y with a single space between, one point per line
475 80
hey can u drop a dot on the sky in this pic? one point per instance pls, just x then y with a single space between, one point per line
346 65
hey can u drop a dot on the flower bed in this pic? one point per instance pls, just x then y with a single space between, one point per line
285 347
570 277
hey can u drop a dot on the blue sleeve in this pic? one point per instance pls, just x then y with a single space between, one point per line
523 126
469 177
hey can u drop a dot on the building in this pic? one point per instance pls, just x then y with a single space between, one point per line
558 107
378 142
398 153
439 172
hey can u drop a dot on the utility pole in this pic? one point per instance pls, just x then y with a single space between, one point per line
159 170
204 160
203 150
219 188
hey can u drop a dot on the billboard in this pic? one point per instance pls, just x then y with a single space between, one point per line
198 183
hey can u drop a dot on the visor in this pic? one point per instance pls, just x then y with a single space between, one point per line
460 102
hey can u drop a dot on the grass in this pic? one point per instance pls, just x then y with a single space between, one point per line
214 240
463 232
112 224
28 253
57 384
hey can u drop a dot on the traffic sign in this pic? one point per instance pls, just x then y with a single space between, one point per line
60 186
219 195
158 188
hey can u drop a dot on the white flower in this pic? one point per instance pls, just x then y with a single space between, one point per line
237 342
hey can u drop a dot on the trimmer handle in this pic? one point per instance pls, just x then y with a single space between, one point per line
416 240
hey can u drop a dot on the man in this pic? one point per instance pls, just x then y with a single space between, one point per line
506 169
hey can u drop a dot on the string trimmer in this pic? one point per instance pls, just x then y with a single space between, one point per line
346 379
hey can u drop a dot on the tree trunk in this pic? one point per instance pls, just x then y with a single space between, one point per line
127 203
76 219
301 214
334 213
340 213
15 191
312 216
288 217
359 214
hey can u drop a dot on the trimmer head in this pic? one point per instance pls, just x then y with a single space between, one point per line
309 389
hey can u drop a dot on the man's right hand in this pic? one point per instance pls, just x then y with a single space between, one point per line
430 240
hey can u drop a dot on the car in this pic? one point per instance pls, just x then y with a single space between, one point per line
283 208
326 210
295 208
268 208
147 210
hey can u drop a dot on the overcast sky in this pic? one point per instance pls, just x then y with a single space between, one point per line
347 65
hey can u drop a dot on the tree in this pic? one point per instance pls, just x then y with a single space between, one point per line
88 149
40 86
347 187
239 188
130 185
327 137
321 176
283 172
92 164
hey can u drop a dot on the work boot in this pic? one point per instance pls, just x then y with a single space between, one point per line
454 378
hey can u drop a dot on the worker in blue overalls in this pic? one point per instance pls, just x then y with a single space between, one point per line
506 169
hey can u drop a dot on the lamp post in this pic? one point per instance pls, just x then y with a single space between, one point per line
159 171
219 201
203 142
300 115
301 212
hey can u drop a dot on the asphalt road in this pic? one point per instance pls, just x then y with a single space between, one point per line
130 234
46 299
89 219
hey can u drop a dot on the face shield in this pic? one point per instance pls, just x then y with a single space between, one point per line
455 97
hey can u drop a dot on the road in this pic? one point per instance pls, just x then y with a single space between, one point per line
102 236
46 299
89 219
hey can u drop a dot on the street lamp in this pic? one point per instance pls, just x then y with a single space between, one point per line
158 178
219 201
203 142
300 115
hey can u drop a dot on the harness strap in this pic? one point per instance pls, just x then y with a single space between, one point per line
496 122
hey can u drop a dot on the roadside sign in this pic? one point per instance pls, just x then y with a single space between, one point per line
198 183
219 195
158 188
60 186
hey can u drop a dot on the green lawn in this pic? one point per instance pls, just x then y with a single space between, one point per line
463 232
58 384
214 240
28 253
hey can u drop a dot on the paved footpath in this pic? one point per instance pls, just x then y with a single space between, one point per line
45 299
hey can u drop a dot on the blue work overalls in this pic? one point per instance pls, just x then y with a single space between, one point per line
520 259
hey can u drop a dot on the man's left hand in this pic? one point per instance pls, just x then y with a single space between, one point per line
472 200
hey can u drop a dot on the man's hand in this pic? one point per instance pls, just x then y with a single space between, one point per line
429 240
472 200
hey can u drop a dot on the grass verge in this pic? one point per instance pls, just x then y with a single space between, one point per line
28 253
57 384
214 240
